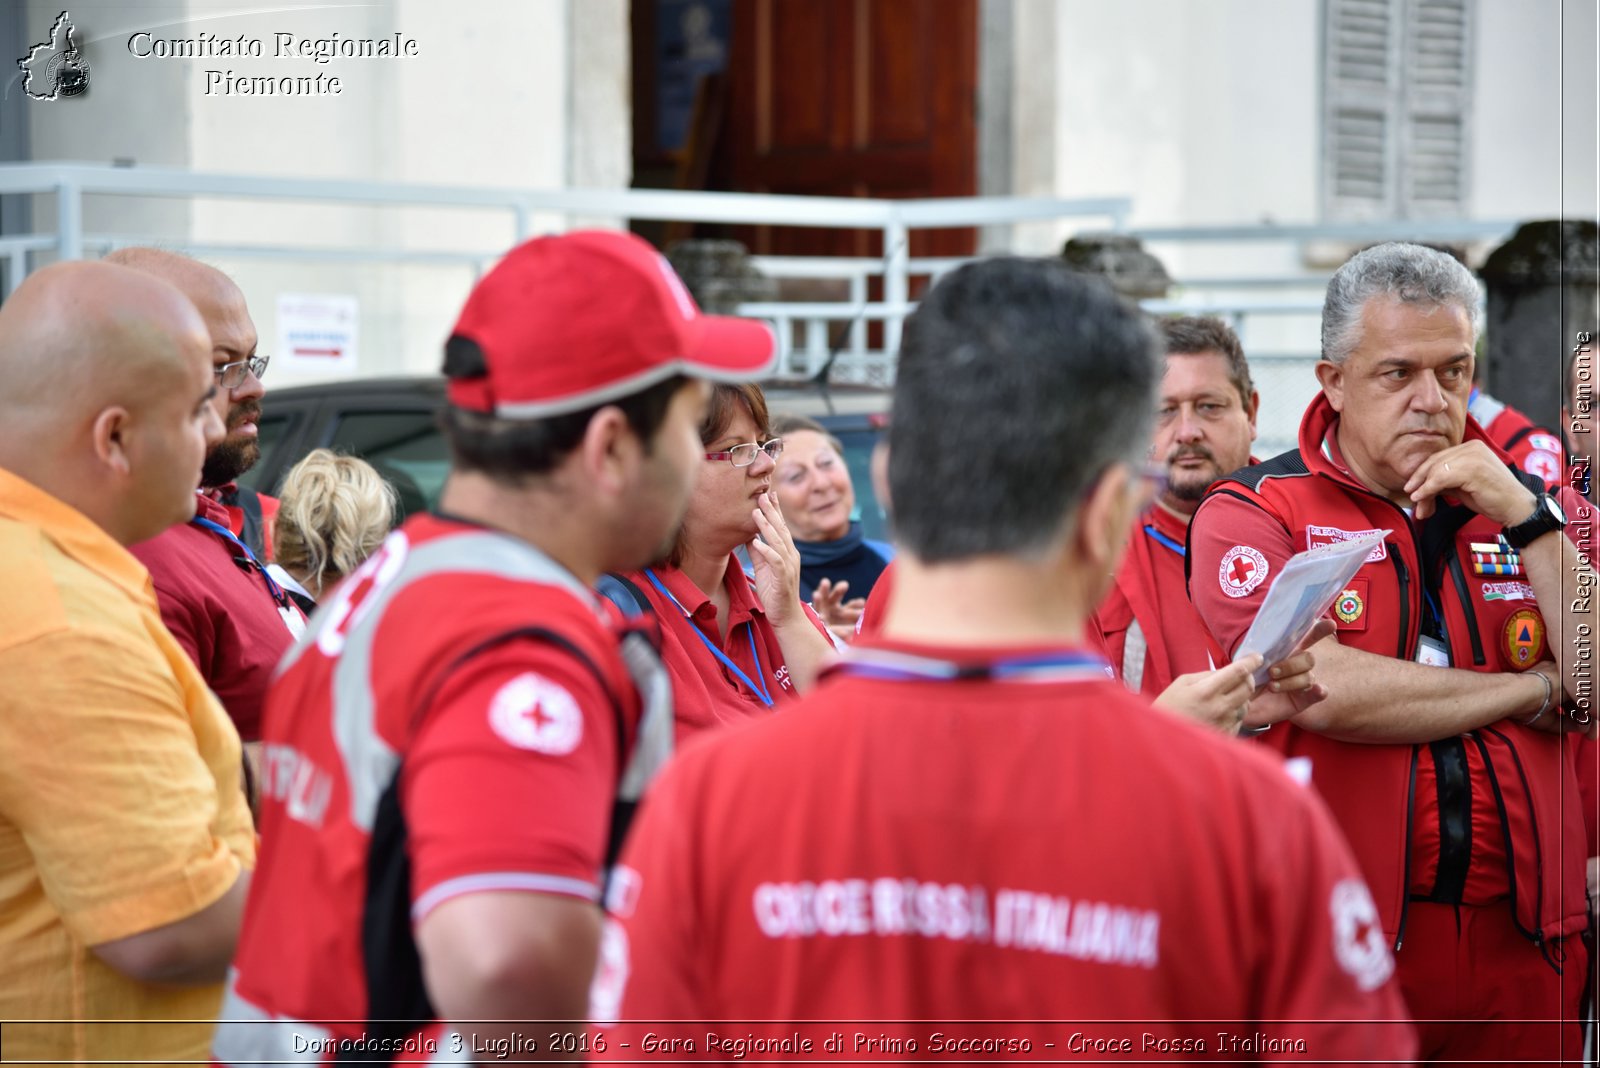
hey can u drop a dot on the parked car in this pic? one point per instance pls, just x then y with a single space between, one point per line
390 423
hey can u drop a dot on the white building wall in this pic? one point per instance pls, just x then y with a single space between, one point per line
1203 113
501 93
1210 113
149 127
1534 146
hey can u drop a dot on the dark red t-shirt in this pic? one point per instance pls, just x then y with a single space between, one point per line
223 613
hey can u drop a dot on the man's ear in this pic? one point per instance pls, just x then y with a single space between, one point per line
610 450
109 435
1104 518
1255 409
1331 377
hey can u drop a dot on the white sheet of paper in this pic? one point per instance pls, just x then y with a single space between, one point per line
1304 589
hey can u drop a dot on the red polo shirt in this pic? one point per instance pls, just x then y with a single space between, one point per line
706 691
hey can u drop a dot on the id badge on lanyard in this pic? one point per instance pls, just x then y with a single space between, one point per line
1432 651
293 620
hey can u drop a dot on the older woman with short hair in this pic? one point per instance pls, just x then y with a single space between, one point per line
818 500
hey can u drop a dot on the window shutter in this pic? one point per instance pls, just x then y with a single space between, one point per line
1362 87
1433 177
1396 94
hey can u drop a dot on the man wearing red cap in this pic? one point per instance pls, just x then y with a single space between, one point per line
465 724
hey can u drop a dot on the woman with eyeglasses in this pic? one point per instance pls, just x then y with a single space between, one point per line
736 643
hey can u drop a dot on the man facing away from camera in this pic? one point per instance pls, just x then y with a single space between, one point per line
968 819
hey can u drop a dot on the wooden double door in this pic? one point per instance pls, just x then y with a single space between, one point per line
871 98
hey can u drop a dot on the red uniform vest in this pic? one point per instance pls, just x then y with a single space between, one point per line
1371 788
326 940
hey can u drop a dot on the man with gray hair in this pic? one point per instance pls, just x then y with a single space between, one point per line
1439 747
978 824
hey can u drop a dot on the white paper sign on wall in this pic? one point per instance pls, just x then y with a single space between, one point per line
318 333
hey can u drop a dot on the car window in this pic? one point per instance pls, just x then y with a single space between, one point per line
271 430
405 447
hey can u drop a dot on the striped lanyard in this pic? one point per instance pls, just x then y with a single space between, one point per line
1063 665
755 686
249 560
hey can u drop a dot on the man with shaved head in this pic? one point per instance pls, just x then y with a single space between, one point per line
232 618
124 837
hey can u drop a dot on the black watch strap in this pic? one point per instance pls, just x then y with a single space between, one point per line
1547 516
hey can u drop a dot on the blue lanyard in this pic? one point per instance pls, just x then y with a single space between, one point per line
753 685
276 590
1163 539
1433 609
888 666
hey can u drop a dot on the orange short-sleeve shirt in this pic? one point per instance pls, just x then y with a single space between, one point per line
121 808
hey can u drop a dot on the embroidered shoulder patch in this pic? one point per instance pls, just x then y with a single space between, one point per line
1243 568
1523 637
531 712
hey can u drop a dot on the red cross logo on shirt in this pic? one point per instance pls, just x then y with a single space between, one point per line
1358 942
1241 569
537 716
532 712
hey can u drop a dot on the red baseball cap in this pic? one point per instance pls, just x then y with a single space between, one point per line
569 322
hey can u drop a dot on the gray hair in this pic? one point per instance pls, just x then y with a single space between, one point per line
1403 272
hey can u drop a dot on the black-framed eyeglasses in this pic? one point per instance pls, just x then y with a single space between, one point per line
745 455
232 375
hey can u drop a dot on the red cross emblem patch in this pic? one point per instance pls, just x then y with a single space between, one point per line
531 712
1241 571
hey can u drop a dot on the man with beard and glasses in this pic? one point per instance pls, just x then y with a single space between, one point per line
1205 422
216 598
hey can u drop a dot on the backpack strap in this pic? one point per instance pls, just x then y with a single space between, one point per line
623 593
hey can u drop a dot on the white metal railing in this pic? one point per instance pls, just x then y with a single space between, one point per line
1235 298
810 332
70 183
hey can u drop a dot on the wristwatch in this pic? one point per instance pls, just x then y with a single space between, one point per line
1547 516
